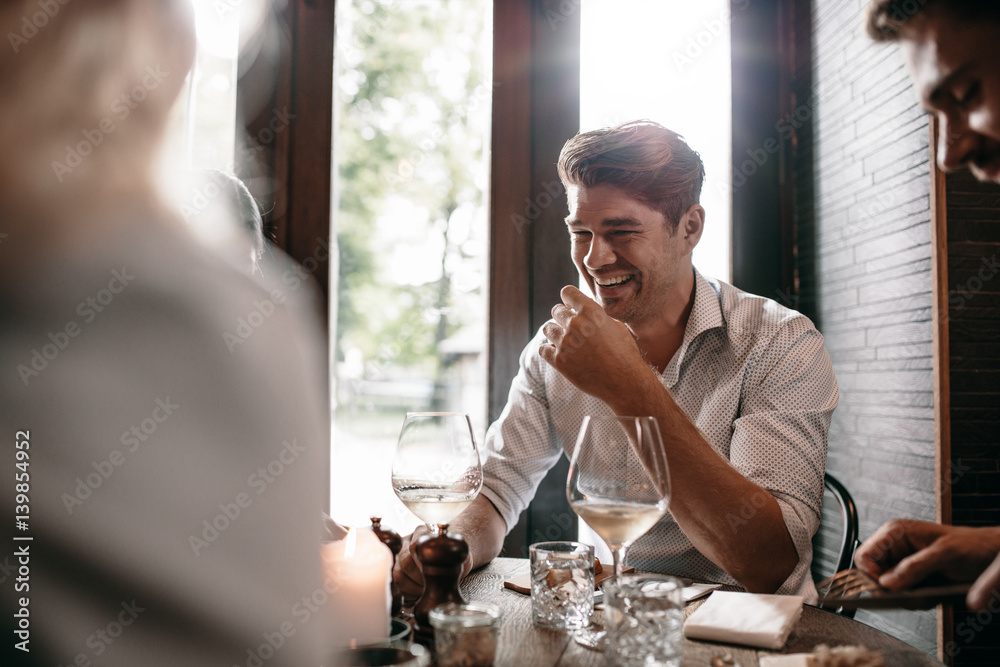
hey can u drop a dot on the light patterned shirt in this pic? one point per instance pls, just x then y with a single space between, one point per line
752 375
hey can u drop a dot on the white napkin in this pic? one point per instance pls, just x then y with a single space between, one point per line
696 591
745 618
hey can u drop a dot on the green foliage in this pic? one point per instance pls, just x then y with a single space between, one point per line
412 113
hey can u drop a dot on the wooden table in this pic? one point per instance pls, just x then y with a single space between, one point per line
522 644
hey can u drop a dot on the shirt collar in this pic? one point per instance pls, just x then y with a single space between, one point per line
706 314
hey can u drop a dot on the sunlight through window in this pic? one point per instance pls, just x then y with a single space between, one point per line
667 61
411 136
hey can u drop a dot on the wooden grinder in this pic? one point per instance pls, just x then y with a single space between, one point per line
441 559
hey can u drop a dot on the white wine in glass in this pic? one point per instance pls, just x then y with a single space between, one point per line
618 480
618 524
436 472
618 484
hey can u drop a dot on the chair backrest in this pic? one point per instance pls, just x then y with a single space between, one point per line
829 556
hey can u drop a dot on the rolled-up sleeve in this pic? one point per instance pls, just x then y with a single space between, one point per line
780 438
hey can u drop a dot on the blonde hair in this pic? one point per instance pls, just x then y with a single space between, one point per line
88 86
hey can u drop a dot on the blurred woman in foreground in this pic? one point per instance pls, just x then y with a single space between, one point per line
169 445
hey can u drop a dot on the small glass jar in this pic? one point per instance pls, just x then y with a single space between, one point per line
465 635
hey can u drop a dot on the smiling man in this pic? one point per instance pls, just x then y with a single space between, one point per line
742 387
951 50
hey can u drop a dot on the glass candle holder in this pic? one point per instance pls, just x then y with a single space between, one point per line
465 635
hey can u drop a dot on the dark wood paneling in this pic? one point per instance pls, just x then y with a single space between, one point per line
536 108
510 188
285 106
285 103
942 370
555 115
970 478
761 219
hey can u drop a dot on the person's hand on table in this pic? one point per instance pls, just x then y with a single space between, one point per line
904 552
406 572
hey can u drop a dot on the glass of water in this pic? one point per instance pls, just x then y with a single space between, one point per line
644 619
562 584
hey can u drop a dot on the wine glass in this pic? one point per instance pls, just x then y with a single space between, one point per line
618 484
437 472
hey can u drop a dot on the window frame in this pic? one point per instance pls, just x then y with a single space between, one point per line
536 108
289 69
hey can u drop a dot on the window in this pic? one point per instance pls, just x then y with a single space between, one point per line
203 127
203 131
395 110
668 62
411 136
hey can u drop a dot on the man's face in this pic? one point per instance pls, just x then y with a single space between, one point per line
633 261
955 67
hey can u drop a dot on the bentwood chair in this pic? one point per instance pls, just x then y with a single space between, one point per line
829 554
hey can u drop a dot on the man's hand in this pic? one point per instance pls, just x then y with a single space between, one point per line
483 530
904 552
595 352
406 573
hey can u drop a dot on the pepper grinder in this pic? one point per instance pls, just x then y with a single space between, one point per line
441 559
391 539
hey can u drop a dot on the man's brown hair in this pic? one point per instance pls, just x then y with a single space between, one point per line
652 164
887 17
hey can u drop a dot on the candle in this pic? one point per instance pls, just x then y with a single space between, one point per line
358 570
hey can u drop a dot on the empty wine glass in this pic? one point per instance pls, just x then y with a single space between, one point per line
618 484
437 472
